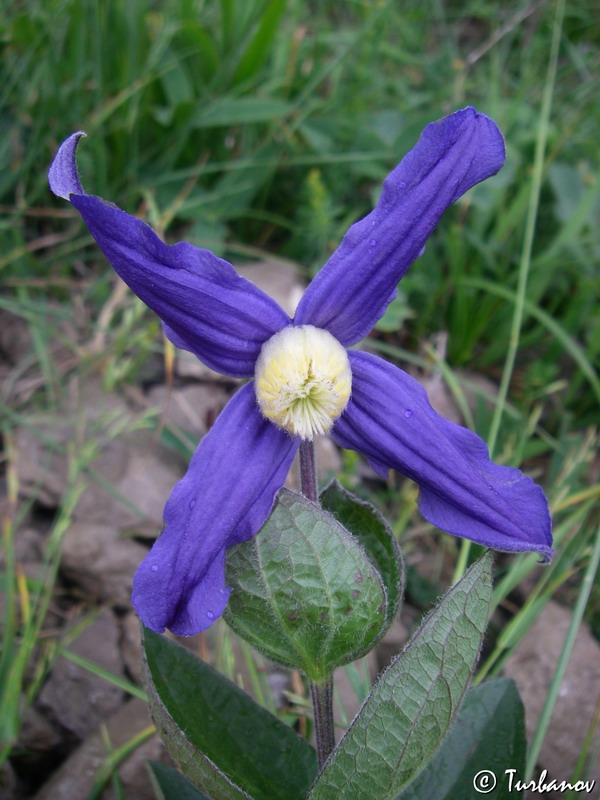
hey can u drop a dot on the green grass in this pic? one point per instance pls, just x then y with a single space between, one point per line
270 130
266 126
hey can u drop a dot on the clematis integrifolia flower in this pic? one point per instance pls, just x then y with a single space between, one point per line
304 381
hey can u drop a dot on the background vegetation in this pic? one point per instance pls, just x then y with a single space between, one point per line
261 127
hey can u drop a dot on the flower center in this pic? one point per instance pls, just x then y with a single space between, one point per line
303 380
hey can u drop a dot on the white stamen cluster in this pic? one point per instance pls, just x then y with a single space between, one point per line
303 380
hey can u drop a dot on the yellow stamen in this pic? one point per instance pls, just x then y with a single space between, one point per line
303 380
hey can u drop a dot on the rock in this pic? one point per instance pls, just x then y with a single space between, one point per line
37 733
193 408
15 337
17 348
440 396
279 681
28 544
75 698
97 555
150 474
432 381
476 388
73 780
281 280
187 365
87 397
327 460
8 783
133 773
40 746
140 473
101 562
131 646
41 464
21 369
532 666
128 482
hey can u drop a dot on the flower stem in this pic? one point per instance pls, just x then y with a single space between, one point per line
322 698
308 473
321 691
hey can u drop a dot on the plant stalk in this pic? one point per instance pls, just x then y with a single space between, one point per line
321 691
308 473
322 699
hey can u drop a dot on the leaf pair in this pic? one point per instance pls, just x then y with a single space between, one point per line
232 748
488 730
317 587
413 703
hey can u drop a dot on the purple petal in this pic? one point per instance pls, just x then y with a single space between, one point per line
354 288
206 306
390 420
224 497
62 175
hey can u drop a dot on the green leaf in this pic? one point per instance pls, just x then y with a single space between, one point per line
488 734
304 591
240 111
200 49
412 705
372 531
224 742
228 23
259 47
570 343
176 82
171 785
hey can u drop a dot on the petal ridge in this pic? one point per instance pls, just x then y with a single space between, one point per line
353 289
221 317
224 497
390 420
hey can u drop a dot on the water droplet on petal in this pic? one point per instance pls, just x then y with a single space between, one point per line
408 413
402 184
192 504
373 242
154 567
210 615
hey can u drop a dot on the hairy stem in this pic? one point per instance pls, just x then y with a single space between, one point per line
308 474
322 698
321 691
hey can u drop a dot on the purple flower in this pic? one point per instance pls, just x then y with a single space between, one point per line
303 376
